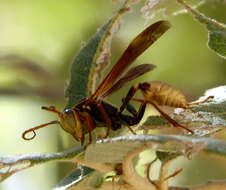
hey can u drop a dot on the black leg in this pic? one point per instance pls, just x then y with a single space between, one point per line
137 116
140 114
128 97
130 108
133 120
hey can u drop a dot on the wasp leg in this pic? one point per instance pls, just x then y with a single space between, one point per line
130 121
200 102
130 108
90 127
137 116
131 93
140 114
83 136
128 97
105 117
173 122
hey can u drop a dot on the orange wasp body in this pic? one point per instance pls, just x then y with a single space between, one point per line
158 93
93 111
163 94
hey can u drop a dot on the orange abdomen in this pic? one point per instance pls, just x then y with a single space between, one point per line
163 94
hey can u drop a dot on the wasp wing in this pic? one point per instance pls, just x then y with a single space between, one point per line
135 48
132 74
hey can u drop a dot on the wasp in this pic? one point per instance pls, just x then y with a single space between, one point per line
93 111
157 94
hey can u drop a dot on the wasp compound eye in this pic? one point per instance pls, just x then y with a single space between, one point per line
67 111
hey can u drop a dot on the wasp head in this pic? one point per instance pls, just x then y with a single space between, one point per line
71 123
69 120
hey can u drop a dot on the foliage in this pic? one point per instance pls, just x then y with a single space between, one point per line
117 154
86 62
216 31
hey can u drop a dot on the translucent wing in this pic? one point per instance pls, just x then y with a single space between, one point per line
132 74
135 48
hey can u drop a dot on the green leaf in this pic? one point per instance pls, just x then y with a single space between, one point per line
167 156
74 177
204 119
155 121
211 114
113 150
12 164
83 68
216 31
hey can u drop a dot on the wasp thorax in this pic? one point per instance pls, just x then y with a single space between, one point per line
71 123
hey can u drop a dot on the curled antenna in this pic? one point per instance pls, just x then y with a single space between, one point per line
36 128
52 109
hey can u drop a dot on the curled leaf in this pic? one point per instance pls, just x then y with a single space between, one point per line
12 164
118 147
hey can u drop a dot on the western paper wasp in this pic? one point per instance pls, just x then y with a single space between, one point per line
93 111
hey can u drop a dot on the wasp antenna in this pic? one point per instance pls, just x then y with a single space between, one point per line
28 131
36 128
52 109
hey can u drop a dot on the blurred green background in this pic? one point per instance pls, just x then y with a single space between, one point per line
38 40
